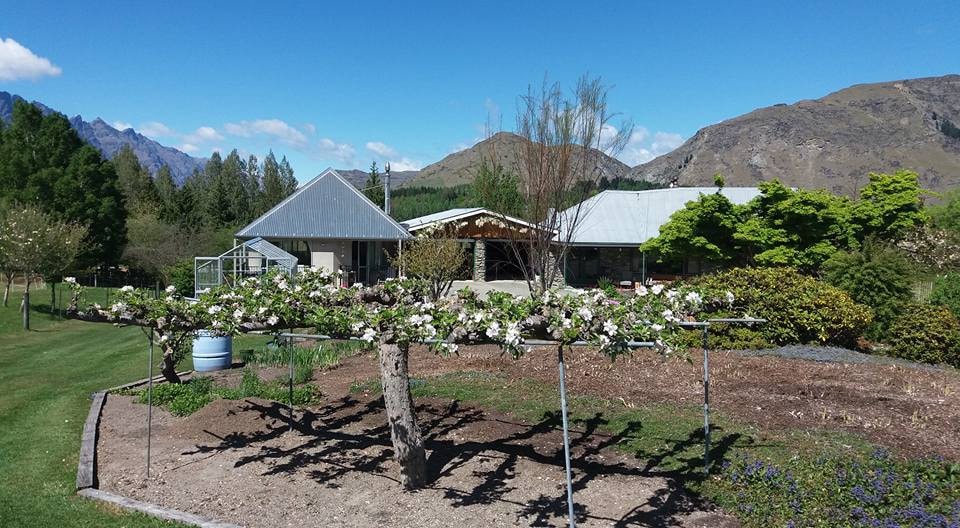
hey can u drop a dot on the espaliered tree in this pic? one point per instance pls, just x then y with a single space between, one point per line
395 314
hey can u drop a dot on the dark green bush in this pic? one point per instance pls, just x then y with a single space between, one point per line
876 276
946 292
798 309
926 333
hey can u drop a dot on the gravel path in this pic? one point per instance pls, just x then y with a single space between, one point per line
835 355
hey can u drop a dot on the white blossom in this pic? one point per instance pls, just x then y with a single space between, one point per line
356 327
126 289
368 335
693 298
273 320
585 314
171 289
642 290
118 307
656 327
493 331
215 309
656 289
610 327
730 297
70 280
512 336
164 338
238 314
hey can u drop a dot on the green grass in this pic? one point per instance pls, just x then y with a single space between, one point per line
47 376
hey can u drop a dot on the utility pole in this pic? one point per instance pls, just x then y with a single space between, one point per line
386 190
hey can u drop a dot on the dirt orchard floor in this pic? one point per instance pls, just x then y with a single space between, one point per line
914 412
236 461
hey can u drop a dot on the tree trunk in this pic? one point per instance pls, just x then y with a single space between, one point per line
169 368
25 306
53 297
6 291
404 433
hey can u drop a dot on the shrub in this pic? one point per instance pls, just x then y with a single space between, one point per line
876 276
798 308
926 333
828 492
946 292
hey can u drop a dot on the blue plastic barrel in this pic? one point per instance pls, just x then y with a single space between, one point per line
211 352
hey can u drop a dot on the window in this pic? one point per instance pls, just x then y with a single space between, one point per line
297 248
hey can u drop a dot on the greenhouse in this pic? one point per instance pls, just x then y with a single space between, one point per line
249 259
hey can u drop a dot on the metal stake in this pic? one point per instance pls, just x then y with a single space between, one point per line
149 400
566 435
290 349
706 402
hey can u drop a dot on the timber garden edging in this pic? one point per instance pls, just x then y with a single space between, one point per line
87 484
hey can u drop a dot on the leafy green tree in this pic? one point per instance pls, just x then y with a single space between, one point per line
795 227
273 187
946 292
288 182
875 275
704 229
36 246
497 189
167 195
43 162
234 186
134 181
373 187
890 205
946 215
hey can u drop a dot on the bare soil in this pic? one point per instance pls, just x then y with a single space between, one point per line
236 460
913 411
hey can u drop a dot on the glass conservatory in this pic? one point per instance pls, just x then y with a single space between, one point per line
251 258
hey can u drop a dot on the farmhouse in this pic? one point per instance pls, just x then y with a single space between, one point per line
328 223
490 238
612 225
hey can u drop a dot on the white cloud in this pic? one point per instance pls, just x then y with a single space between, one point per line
381 149
405 164
156 129
203 134
309 128
643 147
274 128
121 125
330 149
18 62
188 148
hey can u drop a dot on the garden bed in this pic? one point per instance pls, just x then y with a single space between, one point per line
494 456
236 461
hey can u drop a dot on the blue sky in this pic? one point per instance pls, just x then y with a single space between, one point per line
329 84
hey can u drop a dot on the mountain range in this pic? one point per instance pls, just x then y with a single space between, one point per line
108 140
833 142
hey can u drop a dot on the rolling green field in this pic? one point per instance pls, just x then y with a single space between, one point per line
46 378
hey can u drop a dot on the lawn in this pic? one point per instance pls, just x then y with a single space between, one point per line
47 376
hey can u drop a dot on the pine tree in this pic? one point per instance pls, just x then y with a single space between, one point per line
288 183
234 187
43 162
166 195
254 189
273 191
134 181
373 188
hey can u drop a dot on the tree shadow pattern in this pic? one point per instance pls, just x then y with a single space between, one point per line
350 435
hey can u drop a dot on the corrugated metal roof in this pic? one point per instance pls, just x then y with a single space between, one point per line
630 218
457 214
442 216
326 207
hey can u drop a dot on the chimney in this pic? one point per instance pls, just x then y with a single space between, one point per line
386 190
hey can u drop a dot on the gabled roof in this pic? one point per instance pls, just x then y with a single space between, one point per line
461 213
630 218
326 207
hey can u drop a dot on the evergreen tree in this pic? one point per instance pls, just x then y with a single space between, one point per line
43 162
497 189
288 183
134 180
234 186
373 188
273 189
254 190
166 195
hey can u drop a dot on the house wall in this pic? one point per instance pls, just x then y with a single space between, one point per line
330 254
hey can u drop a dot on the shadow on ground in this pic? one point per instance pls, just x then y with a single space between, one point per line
350 435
